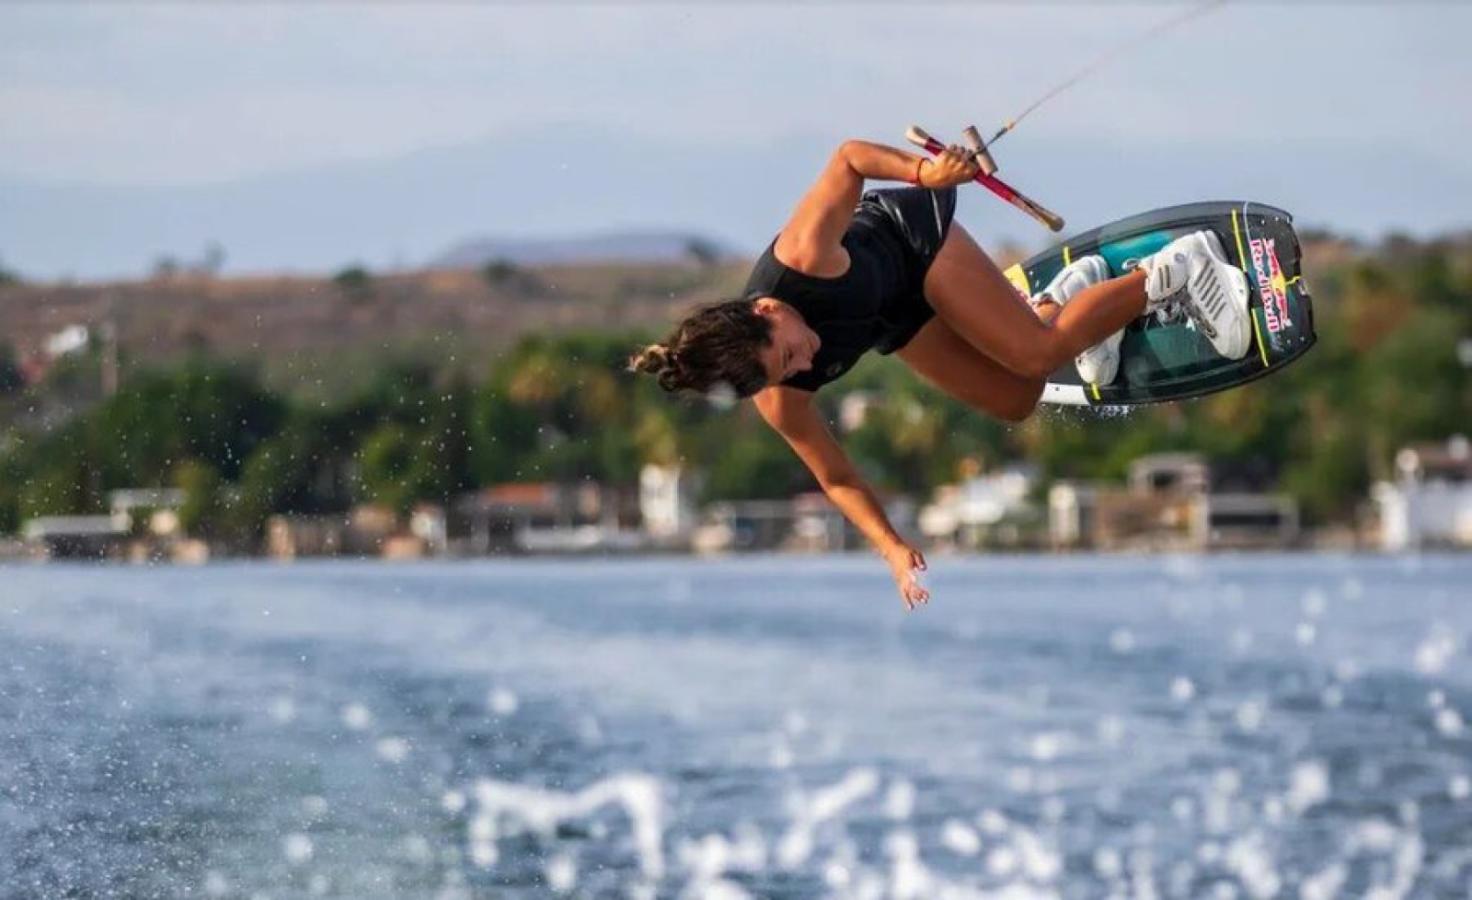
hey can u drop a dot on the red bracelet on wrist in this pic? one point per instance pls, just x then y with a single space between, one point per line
919 164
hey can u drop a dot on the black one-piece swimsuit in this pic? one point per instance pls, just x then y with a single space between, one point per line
879 303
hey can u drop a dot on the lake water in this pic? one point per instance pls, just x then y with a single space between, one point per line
1230 727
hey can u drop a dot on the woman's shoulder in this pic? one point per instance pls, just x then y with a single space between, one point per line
811 259
766 274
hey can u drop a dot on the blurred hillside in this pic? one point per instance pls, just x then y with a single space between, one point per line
666 247
309 396
305 333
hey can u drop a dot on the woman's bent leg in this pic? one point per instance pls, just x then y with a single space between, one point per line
945 359
972 295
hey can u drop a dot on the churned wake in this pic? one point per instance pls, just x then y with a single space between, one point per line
1267 727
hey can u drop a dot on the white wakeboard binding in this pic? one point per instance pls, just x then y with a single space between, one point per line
1191 275
1100 363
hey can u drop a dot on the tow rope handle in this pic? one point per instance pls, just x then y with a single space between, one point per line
986 177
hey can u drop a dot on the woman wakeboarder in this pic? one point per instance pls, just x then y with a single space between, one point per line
888 270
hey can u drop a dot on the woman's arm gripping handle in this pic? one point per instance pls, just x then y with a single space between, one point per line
917 136
823 214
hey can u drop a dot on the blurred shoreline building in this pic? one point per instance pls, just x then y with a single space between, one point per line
984 510
545 517
806 523
77 537
1170 502
142 525
1168 505
364 530
1429 504
667 505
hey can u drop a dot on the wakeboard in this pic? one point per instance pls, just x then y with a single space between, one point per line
1163 361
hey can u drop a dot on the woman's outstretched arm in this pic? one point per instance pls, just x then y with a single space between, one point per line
794 415
811 241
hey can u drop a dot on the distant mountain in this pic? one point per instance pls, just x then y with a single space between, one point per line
627 246
402 212
537 188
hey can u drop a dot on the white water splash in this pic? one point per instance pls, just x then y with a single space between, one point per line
1249 858
899 800
502 701
1407 853
356 716
283 710
1449 722
1249 715
1460 787
505 809
1315 602
297 848
1324 884
823 805
1308 786
1436 650
960 838
561 873
393 749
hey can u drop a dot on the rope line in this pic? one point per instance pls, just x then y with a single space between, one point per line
1108 57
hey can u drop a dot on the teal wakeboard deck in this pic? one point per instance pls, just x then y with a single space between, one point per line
1170 361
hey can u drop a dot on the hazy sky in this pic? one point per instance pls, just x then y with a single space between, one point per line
136 94
167 94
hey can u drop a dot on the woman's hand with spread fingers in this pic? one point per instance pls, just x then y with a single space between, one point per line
905 564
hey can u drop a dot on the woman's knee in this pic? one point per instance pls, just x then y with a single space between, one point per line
1034 362
1012 403
1019 406
1042 357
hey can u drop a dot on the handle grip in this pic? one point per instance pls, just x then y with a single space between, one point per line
983 156
922 139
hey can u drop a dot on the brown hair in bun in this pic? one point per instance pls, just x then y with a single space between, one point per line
716 344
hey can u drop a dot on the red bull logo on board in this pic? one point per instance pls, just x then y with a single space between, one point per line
1271 283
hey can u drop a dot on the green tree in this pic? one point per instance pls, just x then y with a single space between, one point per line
11 378
355 282
389 466
13 471
400 465
1412 385
744 460
505 275
216 414
202 513
59 483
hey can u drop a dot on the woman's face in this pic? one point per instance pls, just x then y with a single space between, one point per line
793 345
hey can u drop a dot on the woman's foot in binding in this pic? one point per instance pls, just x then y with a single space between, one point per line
1100 363
1192 272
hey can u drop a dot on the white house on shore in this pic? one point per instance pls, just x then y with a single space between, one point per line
667 502
991 509
1429 504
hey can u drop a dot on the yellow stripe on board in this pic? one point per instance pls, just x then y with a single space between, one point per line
1018 277
1095 389
1262 348
1237 233
1257 330
1067 256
